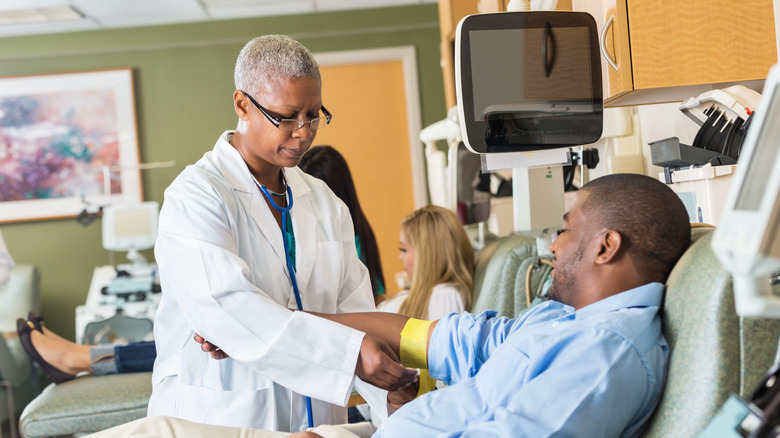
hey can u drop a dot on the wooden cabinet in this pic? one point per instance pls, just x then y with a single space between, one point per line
669 50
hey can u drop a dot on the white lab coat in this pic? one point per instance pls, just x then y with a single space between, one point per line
223 275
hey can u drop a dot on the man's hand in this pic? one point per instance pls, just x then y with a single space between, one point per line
305 434
378 365
210 348
403 395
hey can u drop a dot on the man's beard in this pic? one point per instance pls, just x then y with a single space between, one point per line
564 281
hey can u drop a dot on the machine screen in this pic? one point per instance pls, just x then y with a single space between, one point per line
761 161
529 81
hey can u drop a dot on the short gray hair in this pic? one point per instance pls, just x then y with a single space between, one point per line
268 59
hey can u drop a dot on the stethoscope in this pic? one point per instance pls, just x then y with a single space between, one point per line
285 211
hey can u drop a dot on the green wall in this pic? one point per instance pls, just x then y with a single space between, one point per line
183 78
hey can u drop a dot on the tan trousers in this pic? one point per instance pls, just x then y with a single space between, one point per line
169 427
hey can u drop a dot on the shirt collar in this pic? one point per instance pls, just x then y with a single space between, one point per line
648 295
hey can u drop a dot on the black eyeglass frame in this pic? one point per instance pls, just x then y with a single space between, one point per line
277 121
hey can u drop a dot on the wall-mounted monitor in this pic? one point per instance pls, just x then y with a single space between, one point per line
130 227
528 81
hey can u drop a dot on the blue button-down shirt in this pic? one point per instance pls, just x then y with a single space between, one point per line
595 372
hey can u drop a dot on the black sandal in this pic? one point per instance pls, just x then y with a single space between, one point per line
23 329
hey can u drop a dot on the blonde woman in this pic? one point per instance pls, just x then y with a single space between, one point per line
439 261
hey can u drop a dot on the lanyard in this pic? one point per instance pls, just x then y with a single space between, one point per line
285 211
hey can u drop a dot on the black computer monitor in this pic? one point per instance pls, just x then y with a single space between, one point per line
528 81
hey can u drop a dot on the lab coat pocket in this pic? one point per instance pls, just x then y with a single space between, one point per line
327 276
242 408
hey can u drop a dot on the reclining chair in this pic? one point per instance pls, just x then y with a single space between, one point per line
714 352
18 378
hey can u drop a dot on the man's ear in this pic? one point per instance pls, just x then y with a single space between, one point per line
240 103
610 246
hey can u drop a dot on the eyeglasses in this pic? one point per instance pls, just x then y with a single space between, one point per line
293 124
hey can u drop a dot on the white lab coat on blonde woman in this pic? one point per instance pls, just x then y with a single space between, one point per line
223 274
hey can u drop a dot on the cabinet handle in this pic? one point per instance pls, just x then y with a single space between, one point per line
604 44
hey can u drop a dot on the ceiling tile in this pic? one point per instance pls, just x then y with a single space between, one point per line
260 9
103 14
123 13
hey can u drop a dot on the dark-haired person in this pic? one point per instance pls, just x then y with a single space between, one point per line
326 163
589 362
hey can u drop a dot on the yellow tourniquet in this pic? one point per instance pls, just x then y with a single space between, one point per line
414 339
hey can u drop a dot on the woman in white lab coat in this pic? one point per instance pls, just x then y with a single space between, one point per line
227 274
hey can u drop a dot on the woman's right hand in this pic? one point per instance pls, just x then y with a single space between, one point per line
378 365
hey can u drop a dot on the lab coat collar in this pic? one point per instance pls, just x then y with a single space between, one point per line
235 171
648 295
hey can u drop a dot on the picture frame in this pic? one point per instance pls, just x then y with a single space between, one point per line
68 144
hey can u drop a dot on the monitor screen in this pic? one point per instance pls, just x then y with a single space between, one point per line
762 161
747 239
528 81
130 226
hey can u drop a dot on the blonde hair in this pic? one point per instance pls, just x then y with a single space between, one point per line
442 254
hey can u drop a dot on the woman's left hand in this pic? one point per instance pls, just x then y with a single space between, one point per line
210 348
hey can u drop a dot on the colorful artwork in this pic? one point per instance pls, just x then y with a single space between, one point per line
66 141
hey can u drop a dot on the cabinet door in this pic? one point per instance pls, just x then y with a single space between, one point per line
616 74
675 43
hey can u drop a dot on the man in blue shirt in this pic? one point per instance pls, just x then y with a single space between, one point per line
589 362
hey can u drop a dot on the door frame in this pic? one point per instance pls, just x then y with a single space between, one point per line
407 56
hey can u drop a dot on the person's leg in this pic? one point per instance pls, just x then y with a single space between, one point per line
64 355
135 357
169 427
103 359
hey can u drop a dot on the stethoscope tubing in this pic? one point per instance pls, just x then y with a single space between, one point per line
285 211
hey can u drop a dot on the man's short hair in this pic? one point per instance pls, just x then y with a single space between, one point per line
649 216
266 60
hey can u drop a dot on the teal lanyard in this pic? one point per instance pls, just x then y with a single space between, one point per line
288 238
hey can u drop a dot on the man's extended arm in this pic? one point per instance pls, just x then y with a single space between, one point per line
382 325
374 362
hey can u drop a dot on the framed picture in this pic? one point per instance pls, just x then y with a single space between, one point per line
68 143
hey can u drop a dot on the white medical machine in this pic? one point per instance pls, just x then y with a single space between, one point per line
747 244
528 86
130 227
747 240
124 292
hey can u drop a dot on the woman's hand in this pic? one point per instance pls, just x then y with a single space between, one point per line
378 365
210 348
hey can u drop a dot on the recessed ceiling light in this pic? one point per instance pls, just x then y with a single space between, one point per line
39 15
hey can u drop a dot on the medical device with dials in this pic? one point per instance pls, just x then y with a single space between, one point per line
131 227
747 241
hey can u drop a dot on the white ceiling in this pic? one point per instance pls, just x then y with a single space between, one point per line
107 14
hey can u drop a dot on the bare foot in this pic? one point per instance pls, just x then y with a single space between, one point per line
51 334
64 355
